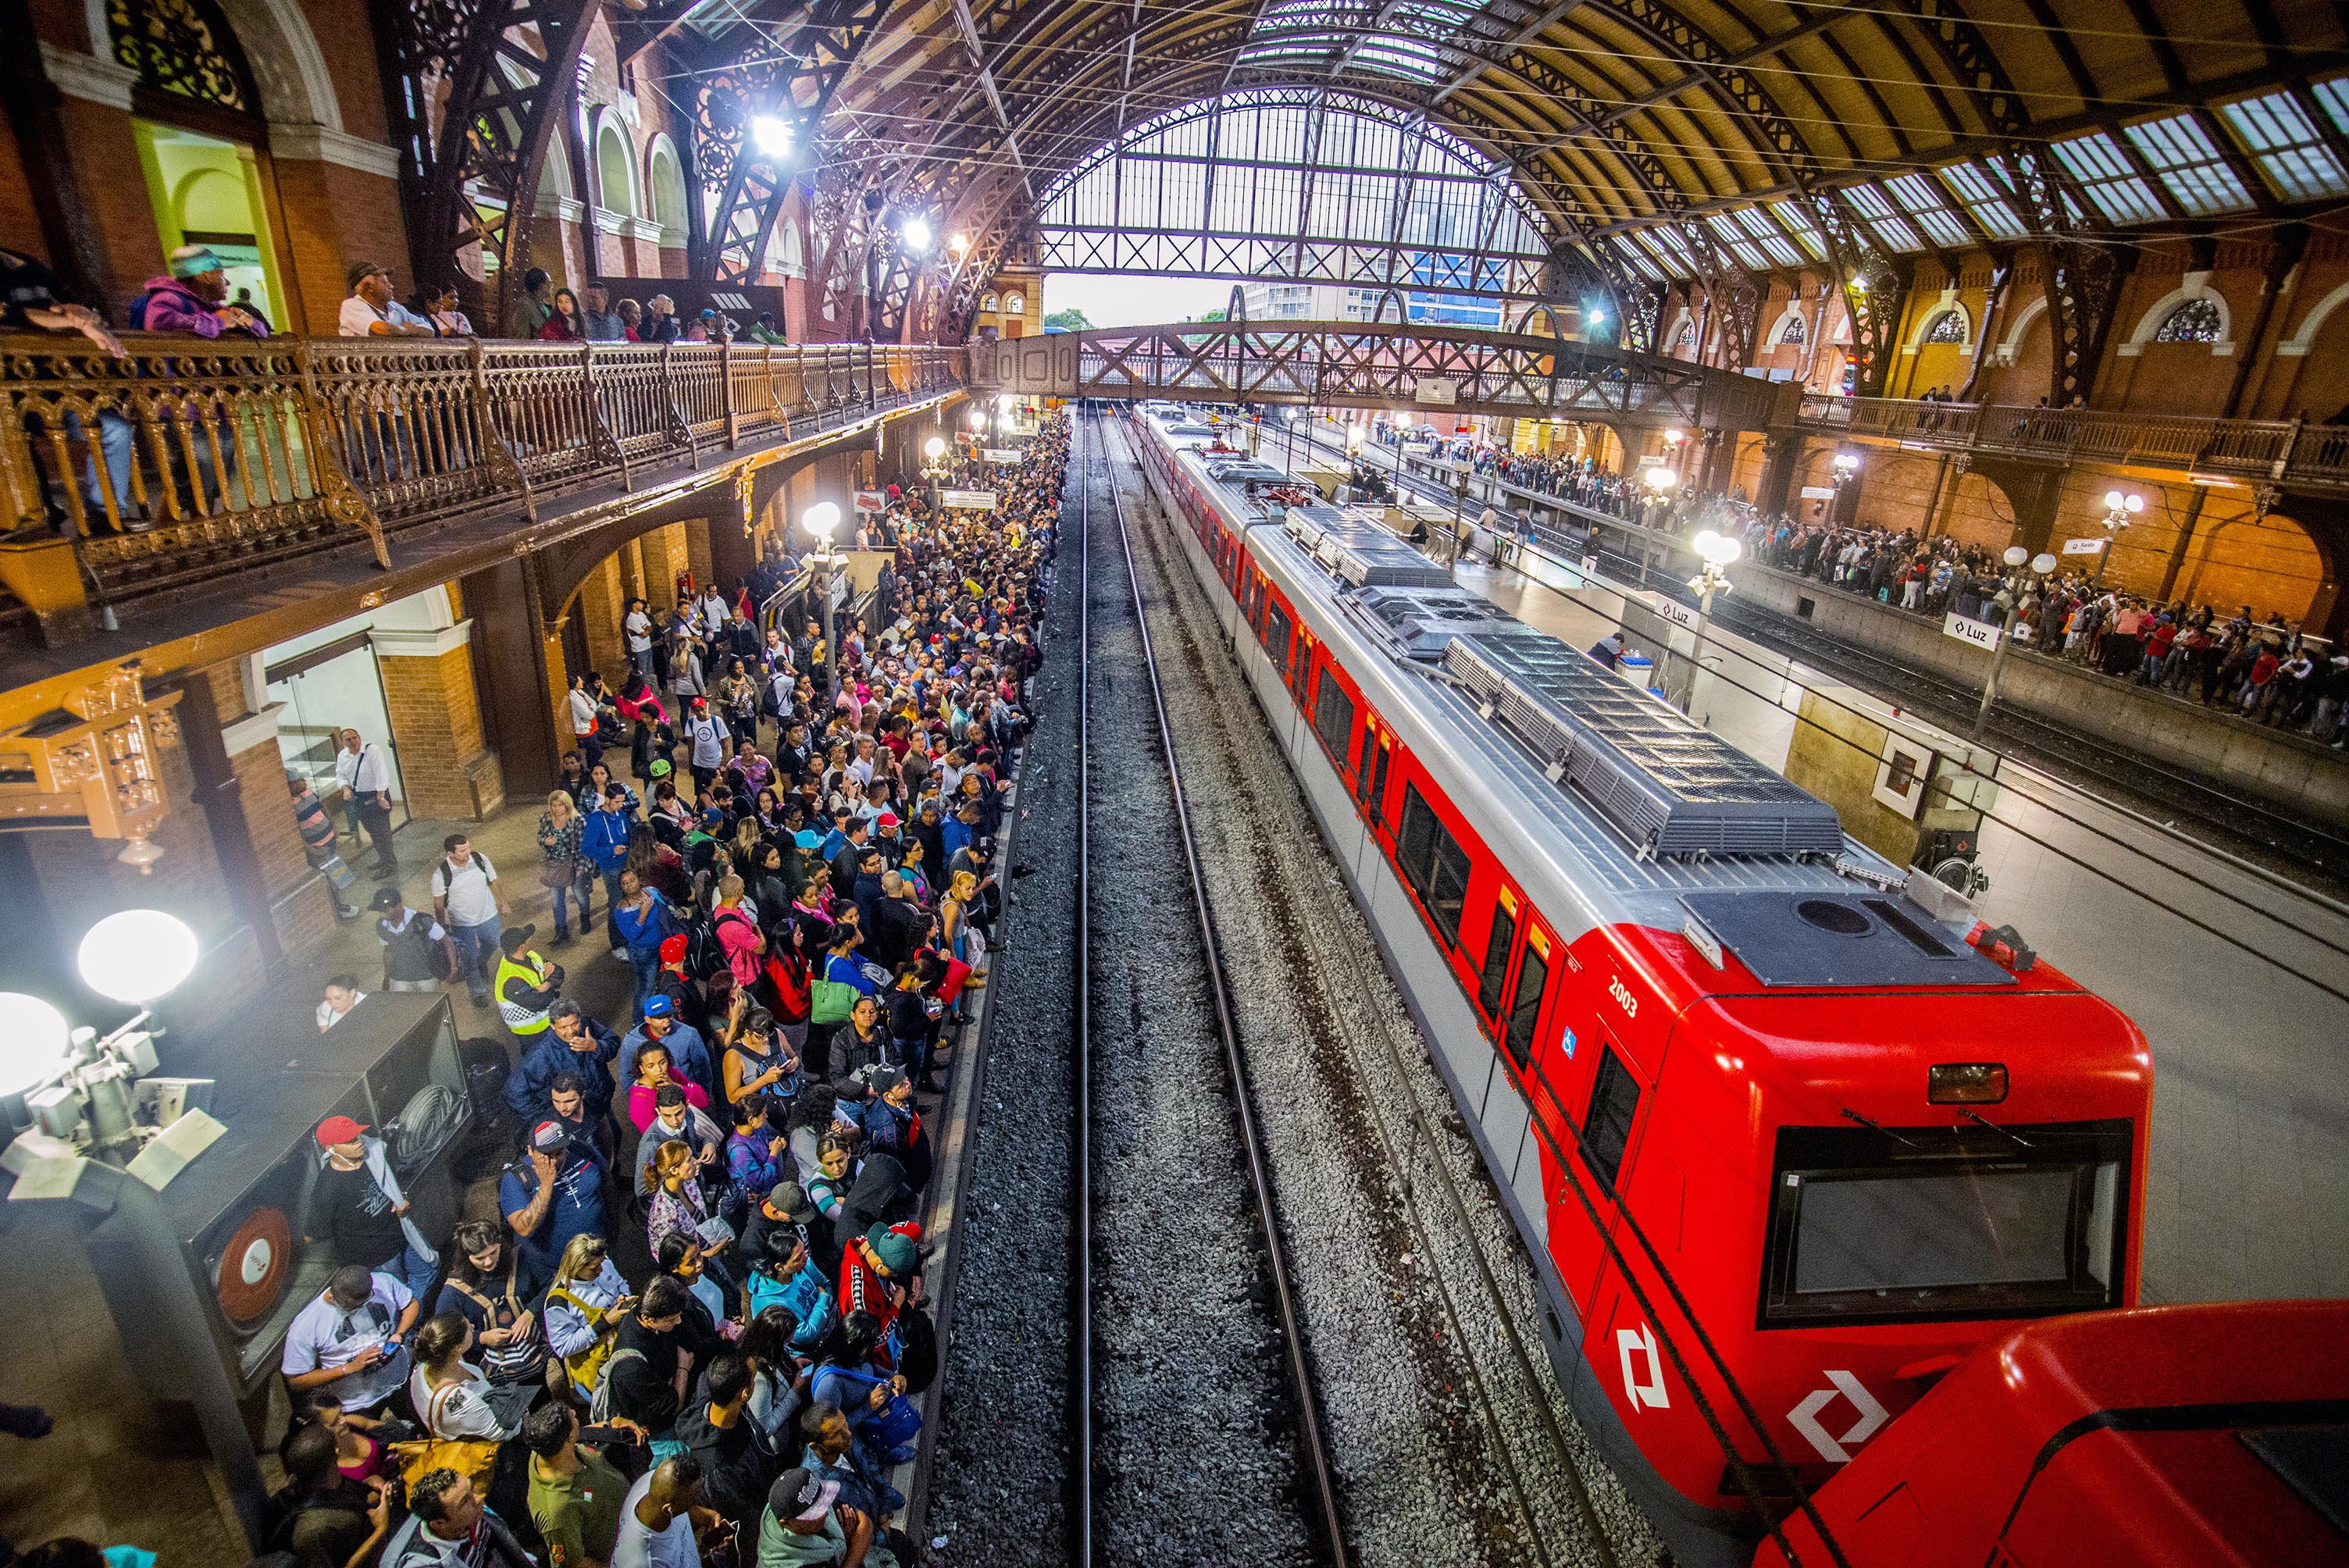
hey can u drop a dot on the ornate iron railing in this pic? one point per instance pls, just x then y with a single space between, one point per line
189 459
2254 451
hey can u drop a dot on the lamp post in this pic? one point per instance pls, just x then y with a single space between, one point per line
1459 504
1402 424
1672 440
935 470
1658 481
1354 434
820 521
2024 570
2121 508
1717 552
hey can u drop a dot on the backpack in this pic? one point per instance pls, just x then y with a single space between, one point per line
704 955
599 1403
806 1296
896 1425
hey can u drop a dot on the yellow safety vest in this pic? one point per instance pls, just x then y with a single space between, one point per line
522 1017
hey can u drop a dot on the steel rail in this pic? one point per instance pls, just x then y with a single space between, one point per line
1401 1148
1318 1483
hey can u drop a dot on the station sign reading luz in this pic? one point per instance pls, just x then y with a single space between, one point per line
1981 634
967 501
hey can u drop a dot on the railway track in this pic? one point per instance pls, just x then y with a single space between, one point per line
1193 1402
2299 852
1362 1147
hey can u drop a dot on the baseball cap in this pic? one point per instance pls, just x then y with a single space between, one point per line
897 1252
386 897
888 819
338 1129
672 950
549 1137
800 1495
513 939
192 262
657 1005
790 1199
661 768
884 1078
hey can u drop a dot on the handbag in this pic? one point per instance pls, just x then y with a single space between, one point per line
558 873
476 1459
832 1001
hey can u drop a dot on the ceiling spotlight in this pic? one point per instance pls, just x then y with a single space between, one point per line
916 232
771 134
959 243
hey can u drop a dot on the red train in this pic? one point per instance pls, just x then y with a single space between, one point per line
2210 1436
1790 1142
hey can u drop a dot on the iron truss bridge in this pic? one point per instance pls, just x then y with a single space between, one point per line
1348 365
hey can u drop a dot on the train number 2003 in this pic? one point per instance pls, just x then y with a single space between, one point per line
1622 993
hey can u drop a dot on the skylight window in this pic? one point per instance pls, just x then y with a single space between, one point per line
1403 57
1781 250
1877 212
2182 153
2111 182
1730 235
1668 244
1798 223
1984 200
1917 196
1637 259
2285 145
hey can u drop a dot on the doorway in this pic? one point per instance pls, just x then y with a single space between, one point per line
206 190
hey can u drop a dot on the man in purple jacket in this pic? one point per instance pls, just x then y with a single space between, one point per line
192 297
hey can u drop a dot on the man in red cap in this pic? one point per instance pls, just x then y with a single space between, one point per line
361 1208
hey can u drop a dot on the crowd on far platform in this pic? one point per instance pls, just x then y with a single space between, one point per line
2246 663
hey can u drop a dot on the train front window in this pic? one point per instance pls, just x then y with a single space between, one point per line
1920 1224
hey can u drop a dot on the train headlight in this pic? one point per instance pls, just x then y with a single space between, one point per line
1965 1083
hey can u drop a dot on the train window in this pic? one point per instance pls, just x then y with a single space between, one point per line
1378 783
1333 716
1607 1125
1362 767
1495 977
1275 636
1933 1223
1432 862
1525 1011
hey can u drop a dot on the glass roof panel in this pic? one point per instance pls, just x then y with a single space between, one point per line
1879 216
2181 152
2286 146
1730 235
1781 249
2110 180
1984 200
1798 223
1917 197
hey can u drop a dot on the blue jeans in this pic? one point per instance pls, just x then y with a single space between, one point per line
582 883
408 1265
611 905
645 963
477 949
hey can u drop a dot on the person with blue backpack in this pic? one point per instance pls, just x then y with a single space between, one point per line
603 841
644 920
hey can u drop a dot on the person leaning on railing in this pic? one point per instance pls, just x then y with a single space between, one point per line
372 310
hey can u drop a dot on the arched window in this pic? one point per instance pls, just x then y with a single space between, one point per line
183 46
1949 326
1794 332
664 185
1015 305
989 302
615 178
2196 320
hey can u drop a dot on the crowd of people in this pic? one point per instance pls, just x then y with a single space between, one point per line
2246 664
695 1330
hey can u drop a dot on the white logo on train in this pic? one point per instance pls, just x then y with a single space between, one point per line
1804 1417
1641 1342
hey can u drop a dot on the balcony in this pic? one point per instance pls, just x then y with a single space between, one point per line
2281 452
131 483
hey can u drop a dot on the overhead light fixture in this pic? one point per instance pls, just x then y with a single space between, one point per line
916 232
33 1041
959 243
772 135
137 956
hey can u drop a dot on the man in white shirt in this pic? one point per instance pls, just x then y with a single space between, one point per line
467 900
638 626
714 610
353 1337
370 311
708 734
364 775
659 1519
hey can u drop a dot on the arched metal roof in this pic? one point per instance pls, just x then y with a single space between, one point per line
1655 139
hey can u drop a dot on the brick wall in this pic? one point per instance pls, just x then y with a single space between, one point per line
697 547
598 607
106 166
435 723
327 217
665 556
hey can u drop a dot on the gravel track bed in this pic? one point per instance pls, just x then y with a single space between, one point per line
998 1486
1195 1458
1425 1475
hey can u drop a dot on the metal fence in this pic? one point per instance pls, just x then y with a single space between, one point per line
189 459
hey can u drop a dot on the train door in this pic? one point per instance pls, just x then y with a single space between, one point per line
1589 1093
1370 770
